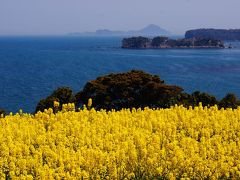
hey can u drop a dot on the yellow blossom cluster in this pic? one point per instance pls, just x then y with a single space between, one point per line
56 104
174 143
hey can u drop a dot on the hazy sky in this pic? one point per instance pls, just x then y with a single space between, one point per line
23 17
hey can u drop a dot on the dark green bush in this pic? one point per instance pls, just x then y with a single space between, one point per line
2 112
195 98
204 98
126 90
229 101
63 95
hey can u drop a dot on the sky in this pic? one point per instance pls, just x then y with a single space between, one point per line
56 17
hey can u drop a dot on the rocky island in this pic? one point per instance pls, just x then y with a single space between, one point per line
222 34
162 42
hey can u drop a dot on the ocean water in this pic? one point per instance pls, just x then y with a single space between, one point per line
32 67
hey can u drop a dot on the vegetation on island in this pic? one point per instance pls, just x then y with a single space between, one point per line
136 42
221 34
161 42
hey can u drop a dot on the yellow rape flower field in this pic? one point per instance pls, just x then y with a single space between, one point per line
174 143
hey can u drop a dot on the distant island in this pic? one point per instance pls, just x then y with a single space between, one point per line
221 34
162 42
150 30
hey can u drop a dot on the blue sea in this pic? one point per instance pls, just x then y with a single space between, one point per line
32 67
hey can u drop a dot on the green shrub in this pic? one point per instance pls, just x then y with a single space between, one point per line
204 98
229 101
63 95
126 90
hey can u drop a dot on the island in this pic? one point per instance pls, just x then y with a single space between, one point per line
162 42
221 34
150 30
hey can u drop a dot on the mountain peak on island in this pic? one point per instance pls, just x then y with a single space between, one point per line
153 29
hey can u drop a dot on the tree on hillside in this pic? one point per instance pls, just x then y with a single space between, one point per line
204 98
126 90
229 101
195 98
63 95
